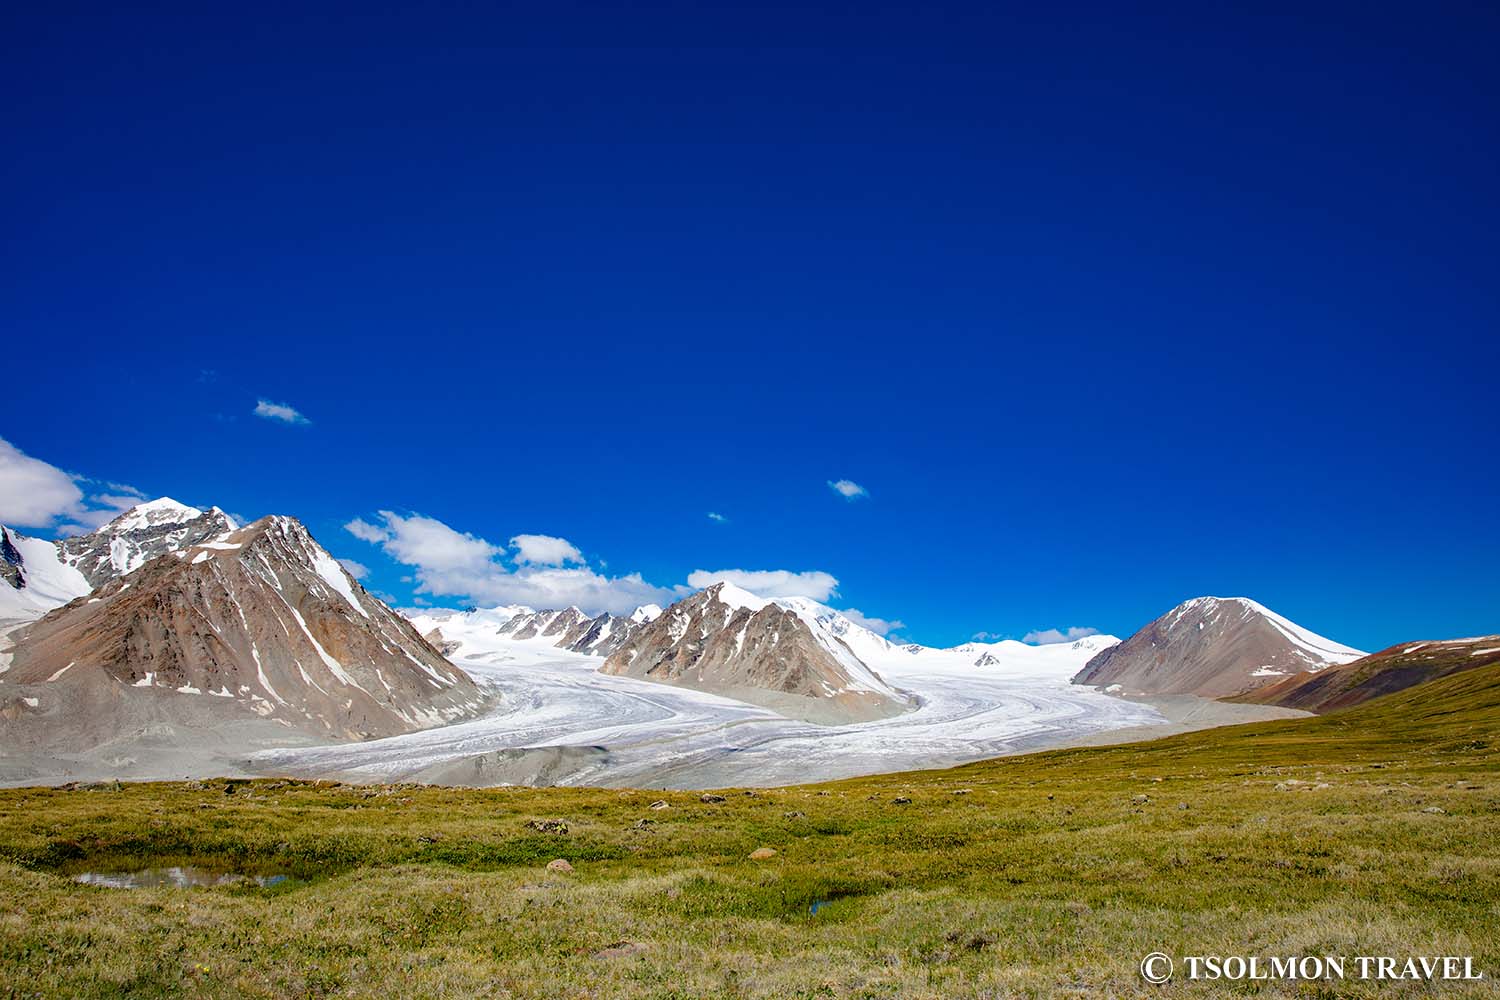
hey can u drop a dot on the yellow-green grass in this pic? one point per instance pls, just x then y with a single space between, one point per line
1046 875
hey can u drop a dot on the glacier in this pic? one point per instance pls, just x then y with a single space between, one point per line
655 735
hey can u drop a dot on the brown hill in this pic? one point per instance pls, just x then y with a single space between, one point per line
1385 672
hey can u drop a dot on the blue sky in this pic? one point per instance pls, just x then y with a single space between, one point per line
1103 310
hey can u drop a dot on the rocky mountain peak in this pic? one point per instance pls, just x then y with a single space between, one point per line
780 654
262 617
37 575
140 534
1213 647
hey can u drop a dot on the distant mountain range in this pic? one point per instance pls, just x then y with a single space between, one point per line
170 614
477 632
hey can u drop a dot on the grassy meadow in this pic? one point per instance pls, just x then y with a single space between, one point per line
1375 831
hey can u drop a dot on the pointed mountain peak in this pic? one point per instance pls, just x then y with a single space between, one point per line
735 597
1213 647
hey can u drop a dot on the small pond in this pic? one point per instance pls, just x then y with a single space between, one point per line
183 877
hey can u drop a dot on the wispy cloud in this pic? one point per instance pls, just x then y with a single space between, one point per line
848 489
280 412
717 518
1048 636
358 570
989 636
879 626
37 494
366 532
770 583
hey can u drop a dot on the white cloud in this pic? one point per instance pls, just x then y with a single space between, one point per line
717 518
545 550
1048 636
550 572
429 544
879 626
33 494
848 489
450 563
358 570
550 587
989 636
279 411
770 583
36 494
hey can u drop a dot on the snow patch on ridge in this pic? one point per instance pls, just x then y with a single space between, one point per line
333 574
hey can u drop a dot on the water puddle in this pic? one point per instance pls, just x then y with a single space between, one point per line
185 877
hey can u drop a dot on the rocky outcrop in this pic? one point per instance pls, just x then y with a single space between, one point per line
1212 647
443 645
728 641
601 636
262 617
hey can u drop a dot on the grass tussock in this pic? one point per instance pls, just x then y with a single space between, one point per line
1375 831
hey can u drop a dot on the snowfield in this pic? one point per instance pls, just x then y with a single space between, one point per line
656 735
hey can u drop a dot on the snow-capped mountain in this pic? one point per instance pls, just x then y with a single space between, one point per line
1007 657
1213 646
792 655
554 625
262 617
37 575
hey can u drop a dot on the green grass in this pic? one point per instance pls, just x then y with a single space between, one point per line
1029 876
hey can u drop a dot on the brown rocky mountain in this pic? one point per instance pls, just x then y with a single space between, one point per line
727 641
1212 647
261 620
1385 672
